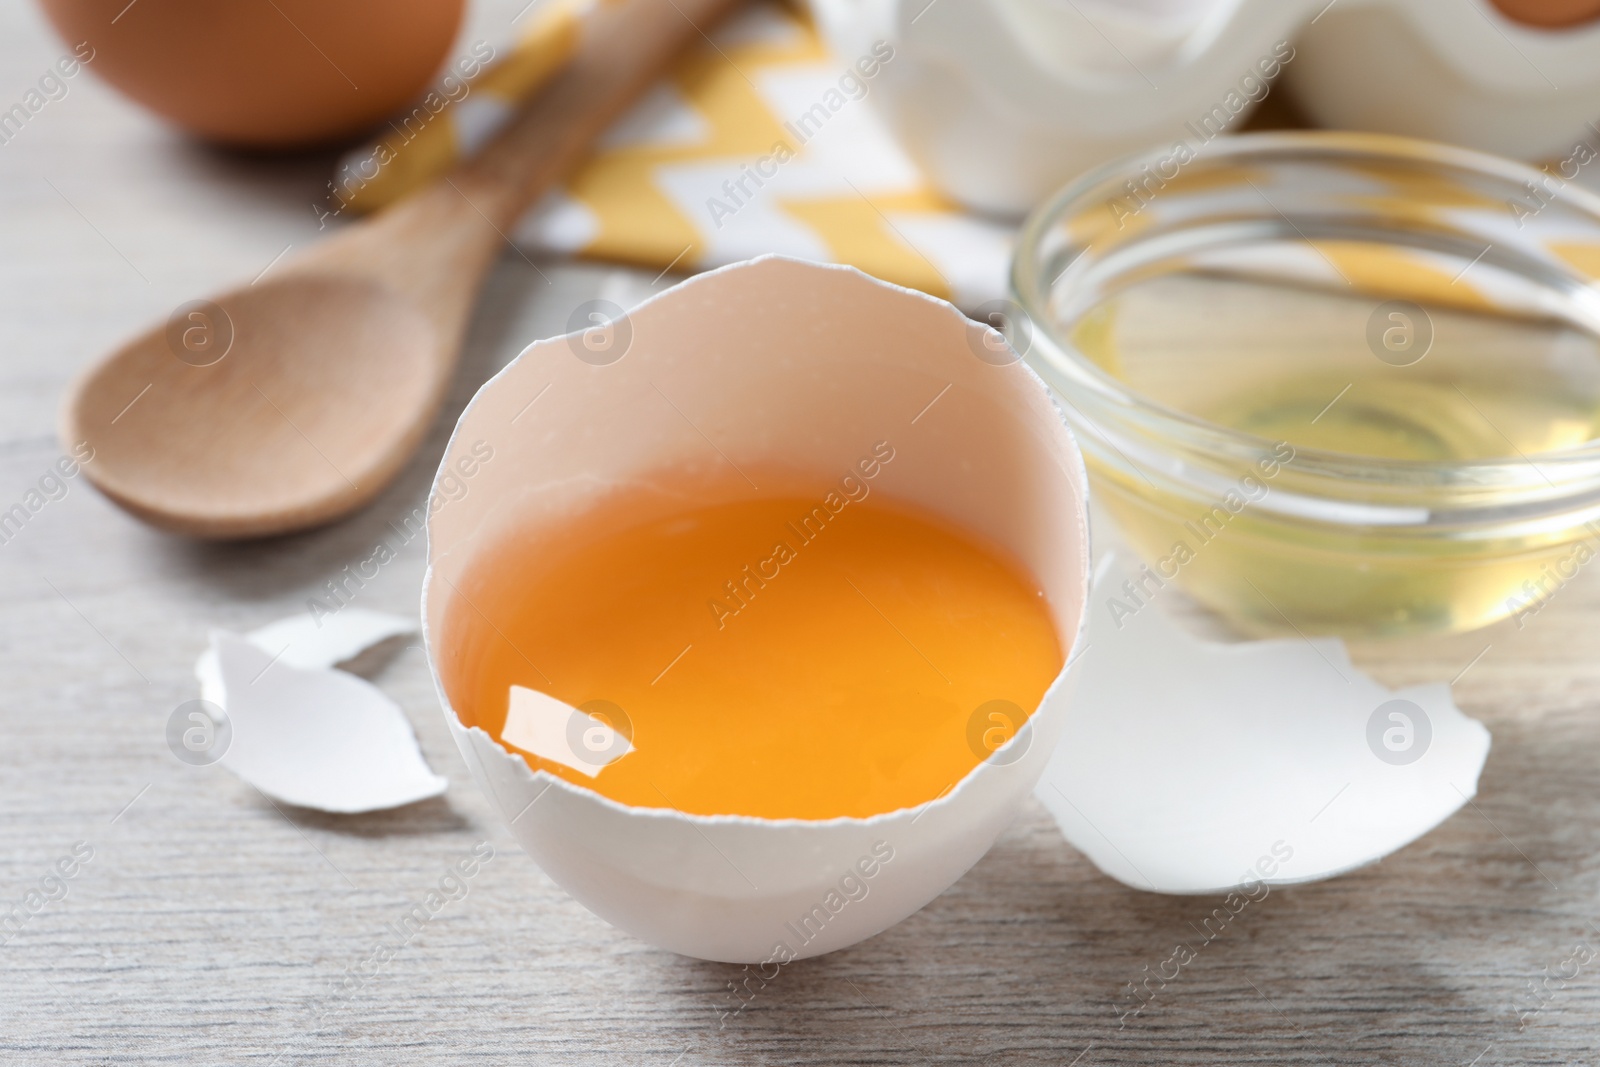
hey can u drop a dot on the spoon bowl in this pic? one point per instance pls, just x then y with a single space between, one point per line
292 401
273 408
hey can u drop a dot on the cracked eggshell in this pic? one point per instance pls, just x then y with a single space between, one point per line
306 642
1193 767
315 737
774 361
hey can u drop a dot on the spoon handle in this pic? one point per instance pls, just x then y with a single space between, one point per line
436 244
623 46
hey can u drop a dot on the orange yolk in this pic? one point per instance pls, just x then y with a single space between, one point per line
766 656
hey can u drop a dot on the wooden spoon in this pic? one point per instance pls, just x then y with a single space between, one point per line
327 374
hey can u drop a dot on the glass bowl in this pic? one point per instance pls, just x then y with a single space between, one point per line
1327 382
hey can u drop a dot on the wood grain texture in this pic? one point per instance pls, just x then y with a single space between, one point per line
212 928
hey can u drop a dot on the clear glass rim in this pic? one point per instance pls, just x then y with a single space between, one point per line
1578 466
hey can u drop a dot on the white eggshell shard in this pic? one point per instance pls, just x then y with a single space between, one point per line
304 641
1193 767
315 737
770 363
554 730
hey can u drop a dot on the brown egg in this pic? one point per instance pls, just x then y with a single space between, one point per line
1550 14
264 73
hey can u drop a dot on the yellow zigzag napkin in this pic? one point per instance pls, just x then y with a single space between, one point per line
759 141
763 141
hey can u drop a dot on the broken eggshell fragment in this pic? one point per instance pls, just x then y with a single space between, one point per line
768 363
306 734
1193 767
307 642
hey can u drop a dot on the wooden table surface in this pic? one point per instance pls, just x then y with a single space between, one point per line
211 926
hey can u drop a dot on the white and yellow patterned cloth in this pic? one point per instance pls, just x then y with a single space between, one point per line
758 141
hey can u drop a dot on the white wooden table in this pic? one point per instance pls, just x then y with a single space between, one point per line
212 927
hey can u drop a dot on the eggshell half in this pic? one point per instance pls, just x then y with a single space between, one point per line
764 363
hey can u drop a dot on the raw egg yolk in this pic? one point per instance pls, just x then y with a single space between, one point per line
780 656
